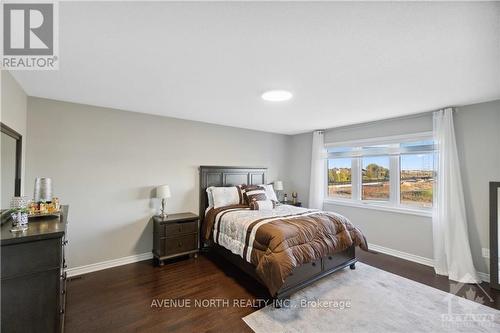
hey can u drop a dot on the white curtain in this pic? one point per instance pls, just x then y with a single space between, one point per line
452 255
318 171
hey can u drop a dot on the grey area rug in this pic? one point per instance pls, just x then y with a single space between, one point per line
372 300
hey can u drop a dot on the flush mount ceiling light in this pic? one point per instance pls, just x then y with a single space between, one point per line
277 95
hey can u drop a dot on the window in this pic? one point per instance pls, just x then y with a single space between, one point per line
417 179
375 173
339 178
390 172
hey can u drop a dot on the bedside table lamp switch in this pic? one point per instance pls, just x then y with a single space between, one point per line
163 193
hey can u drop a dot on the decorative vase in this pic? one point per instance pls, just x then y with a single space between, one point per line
19 221
19 214
19 202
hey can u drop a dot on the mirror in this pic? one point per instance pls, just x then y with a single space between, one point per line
494 234
11 143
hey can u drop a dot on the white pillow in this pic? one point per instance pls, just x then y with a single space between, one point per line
225 196
210 196
270 194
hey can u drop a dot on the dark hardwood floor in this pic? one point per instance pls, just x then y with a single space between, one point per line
120 299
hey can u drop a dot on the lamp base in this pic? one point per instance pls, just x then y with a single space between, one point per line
163 204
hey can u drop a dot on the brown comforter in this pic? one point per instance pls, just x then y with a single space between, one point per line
288 242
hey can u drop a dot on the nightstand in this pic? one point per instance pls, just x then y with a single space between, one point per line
297 204
175 235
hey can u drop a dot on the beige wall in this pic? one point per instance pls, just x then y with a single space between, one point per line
105 164
13 113
299 171
478 137
477 130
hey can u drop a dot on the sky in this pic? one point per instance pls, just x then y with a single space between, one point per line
408 162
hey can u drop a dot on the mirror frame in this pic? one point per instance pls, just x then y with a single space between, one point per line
494 187
19 151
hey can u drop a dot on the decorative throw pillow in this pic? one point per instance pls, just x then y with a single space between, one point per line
270 192
254 192
241 193
225 196
262 204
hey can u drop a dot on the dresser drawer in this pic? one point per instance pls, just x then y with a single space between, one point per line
29 257
180 244
176 229
30 303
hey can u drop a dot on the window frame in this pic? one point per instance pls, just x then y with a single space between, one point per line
394 203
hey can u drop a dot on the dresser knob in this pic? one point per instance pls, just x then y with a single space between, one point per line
330 257
314 264
180 229
179 244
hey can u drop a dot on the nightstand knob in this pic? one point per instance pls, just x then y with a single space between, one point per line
180 228
179 244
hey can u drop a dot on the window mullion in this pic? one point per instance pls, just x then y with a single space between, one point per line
356 178
394 189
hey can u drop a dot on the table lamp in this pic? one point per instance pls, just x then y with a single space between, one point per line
163 192
278 187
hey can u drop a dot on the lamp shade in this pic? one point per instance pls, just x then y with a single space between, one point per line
163 191
43 189
278 185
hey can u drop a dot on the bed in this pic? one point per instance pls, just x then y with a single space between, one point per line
284 249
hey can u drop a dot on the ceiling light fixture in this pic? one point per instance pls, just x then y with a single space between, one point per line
277 95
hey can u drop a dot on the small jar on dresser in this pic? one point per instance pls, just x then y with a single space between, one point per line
175 235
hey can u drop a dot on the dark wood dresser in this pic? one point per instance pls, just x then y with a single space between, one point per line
175 235
33 275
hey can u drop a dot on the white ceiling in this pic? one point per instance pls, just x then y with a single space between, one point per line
345 62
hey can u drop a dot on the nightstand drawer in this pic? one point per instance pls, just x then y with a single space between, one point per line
176 229
180 244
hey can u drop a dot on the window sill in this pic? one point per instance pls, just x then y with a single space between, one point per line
400 210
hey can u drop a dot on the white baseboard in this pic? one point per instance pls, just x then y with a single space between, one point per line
108 264
403 255
484 276
75 271
418 259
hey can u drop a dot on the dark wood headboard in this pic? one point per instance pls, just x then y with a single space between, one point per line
227 176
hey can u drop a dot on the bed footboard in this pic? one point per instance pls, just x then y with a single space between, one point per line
311 272
301 276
